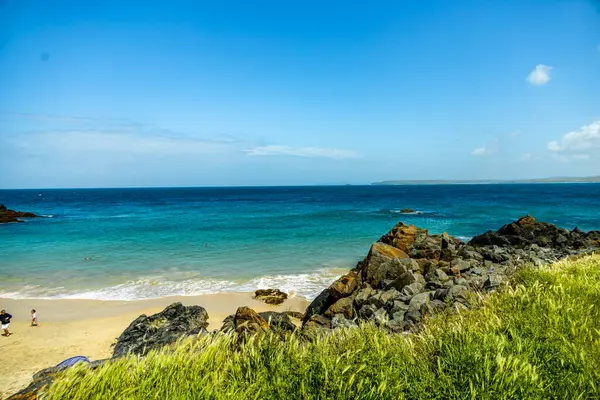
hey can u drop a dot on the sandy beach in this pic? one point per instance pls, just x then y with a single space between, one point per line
89 327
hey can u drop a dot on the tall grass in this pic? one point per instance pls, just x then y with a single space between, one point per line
538 339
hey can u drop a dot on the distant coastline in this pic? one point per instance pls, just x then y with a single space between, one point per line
589 179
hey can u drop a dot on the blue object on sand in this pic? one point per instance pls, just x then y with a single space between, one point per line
72 361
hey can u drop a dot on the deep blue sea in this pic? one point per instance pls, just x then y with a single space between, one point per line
146 243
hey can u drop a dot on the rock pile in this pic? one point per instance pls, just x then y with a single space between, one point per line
409 274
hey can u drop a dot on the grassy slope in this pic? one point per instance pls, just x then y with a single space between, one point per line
539 339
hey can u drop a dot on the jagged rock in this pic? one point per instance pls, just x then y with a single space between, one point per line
398 306
318 306
342 306
412 289
396 325
317 323
388 297
493 282
457 293
247 322
376 301
344 286
383 263
339 321
270 296
228 324
173 323
367 311
244 323
362 296
380 317
400 236
278 321
420 302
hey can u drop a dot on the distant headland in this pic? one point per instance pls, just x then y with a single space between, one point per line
589 179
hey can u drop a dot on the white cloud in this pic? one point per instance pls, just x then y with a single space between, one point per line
580 144
540 75
310 152
527 157
514 134
483 151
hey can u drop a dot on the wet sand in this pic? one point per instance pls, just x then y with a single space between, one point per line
88 328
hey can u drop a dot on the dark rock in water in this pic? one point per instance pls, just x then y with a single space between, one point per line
270 296
173 323
7 215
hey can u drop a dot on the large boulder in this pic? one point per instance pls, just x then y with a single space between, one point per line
318 306
168 326
383 263
344 286
270 296
247 322
278 321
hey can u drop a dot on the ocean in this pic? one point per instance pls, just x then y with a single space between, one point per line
128 244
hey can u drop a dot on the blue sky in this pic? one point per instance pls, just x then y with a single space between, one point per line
187 93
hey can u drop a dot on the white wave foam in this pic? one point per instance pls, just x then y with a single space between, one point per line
416 212
305 285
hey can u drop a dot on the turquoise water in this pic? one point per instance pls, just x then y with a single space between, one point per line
146 243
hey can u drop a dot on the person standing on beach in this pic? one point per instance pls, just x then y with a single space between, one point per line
5 320
34 318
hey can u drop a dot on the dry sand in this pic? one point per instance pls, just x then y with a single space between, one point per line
88 328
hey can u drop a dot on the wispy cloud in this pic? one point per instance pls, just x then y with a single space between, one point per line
527 157
98 142
540 75
309 152
580 144
481 151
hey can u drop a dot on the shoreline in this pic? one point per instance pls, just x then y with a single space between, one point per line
73 327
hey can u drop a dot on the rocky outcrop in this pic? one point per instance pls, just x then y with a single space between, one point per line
270 296
409 274
173 323
7 215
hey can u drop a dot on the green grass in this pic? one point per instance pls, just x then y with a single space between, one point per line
538 339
